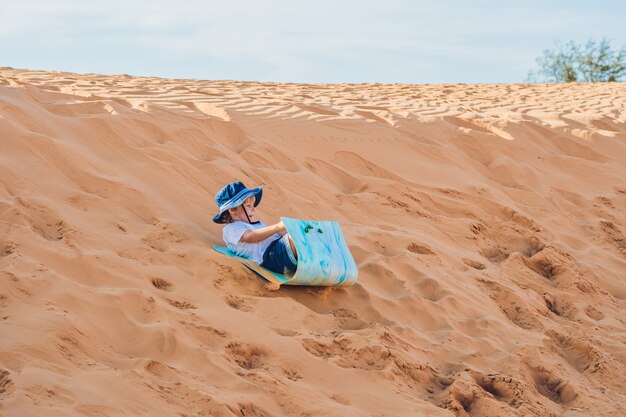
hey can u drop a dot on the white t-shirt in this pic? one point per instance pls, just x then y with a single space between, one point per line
254 251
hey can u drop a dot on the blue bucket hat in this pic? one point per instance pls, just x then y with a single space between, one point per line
233 195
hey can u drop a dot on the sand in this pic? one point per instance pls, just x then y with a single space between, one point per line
487 221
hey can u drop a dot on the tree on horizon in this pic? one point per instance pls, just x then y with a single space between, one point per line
572 62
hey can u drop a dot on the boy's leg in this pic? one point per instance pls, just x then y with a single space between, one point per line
293 247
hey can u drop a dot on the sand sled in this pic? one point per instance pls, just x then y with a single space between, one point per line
323 256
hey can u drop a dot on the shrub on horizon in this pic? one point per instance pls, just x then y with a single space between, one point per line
572 62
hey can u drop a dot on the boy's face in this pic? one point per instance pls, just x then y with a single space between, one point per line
238 214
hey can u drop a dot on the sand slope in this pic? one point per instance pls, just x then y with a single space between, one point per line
488 223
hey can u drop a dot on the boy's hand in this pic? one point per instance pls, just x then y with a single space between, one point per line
281 226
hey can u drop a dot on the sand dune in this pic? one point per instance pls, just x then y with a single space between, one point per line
487 221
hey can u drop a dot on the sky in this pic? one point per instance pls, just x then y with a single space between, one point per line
322 41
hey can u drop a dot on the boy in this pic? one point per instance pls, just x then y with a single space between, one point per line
268 246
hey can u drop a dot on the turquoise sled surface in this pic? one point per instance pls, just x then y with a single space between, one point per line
323 255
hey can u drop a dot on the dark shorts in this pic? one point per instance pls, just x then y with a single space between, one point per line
279 257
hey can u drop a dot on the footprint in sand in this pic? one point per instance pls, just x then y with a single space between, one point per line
248 409
207 336
527 246
43 220
348 319
162 284
371 357
461 397
551 386
560 306
7 248
477 228
414 374
419 249
239 303
292 374
159 369
245 355
614 235
340 399
5 381
502 387
164 237
583 355
594 313
473 264
495 255
543 265
181 305
515 309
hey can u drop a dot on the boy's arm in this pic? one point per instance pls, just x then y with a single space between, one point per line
257 235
